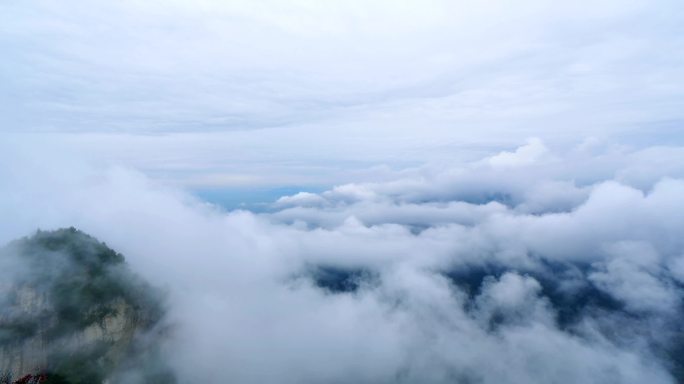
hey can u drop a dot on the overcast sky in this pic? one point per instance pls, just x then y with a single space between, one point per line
272 93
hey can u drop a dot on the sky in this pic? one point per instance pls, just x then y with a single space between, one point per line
237 95
430 192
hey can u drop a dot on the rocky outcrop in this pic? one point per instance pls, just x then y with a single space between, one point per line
72 309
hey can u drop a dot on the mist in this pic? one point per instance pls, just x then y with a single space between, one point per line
551 267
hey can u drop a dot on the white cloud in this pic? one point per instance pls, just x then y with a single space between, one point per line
635 276
247 307
525 155
259 92
551 262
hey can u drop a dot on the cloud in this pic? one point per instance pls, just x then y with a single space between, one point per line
525 155
435 251
559 271
637 265
349 71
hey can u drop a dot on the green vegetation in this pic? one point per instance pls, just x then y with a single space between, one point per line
78 283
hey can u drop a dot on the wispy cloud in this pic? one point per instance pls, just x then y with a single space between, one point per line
370 83
188 66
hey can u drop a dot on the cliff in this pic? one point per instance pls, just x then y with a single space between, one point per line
72 310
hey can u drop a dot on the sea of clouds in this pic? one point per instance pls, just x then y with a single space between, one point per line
532 265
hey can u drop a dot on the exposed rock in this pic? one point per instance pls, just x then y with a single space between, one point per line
70 307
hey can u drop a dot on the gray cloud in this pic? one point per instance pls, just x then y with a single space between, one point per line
452 70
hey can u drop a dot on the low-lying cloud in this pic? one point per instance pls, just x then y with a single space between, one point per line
531 265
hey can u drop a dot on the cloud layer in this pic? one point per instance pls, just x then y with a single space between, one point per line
530 265
216 65
215 94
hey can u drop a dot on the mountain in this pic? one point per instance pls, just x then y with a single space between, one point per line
71 311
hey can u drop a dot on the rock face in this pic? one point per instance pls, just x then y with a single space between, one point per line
71 309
